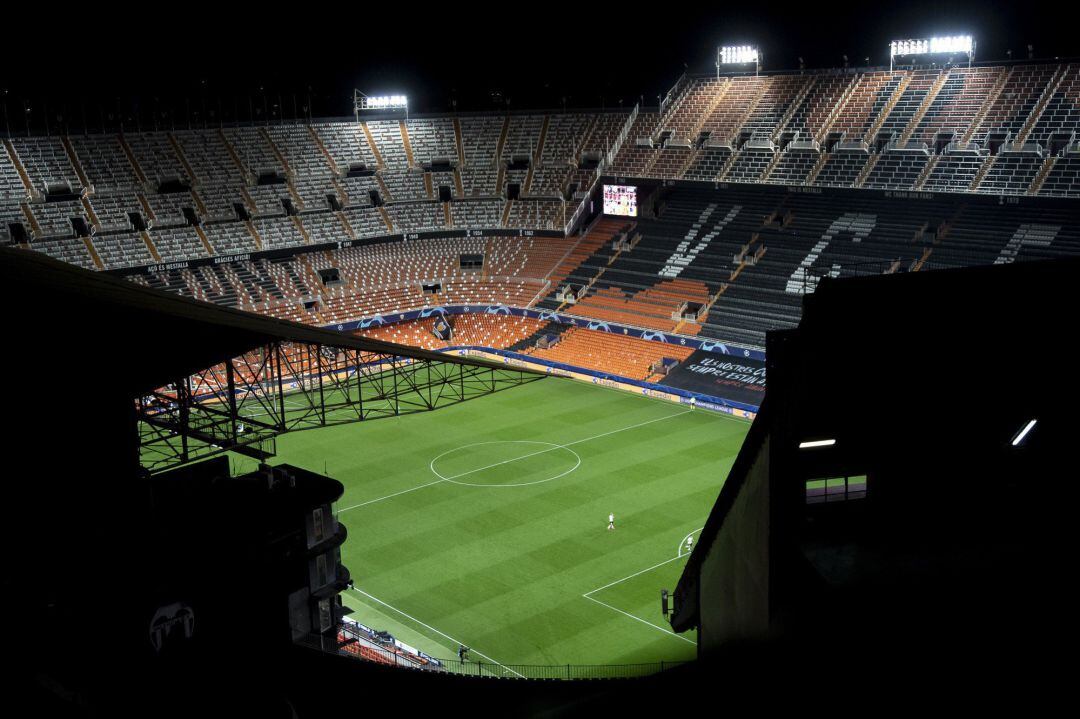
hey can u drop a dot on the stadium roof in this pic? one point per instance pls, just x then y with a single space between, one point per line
143 337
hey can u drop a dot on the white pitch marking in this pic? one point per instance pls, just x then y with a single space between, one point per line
587 439
553 446
706 413
620 581
654 626
683 543
588 595
428 626
404 491
633 426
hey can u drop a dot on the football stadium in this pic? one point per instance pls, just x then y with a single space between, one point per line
552 406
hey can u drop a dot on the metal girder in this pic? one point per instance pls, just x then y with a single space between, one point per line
242 404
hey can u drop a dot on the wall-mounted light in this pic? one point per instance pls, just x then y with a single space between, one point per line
815 443
1019 438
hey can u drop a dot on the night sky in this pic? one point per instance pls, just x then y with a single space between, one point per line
240 63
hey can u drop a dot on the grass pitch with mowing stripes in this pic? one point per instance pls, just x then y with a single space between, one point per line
485 523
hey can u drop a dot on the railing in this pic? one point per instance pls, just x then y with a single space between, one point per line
1020 148
555 671
609 159
569 318
672 94
898 145
344 290
964 148
606 162
760 143
852 146
539 293
366 650
356 640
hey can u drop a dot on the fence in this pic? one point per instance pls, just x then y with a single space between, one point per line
555 671
369 646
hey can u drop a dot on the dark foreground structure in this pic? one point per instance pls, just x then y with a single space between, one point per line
922 551
908 489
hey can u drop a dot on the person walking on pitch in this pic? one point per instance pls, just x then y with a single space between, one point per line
611 520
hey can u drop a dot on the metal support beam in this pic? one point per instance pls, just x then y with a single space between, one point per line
288 386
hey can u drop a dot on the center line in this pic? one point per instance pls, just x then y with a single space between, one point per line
568 444
506 461
395 494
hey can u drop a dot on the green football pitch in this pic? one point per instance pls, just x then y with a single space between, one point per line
485 523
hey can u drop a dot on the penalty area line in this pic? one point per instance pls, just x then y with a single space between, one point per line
588 595
639 619
620 581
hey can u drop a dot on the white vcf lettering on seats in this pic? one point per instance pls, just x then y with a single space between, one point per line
1030 235
857 223
684 253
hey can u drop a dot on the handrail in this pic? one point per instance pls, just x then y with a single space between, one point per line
605 162
670 96
576 320
348 291
365 645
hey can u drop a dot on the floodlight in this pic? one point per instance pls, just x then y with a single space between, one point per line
943 45
952 44
738 54
813 443
363 103
383 102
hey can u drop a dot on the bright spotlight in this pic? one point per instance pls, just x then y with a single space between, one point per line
380 103
383 102
1023 433
945 45
813 443
738 55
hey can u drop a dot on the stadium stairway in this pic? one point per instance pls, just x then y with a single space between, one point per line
528 343
595 240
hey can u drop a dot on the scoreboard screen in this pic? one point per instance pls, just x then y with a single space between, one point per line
620 200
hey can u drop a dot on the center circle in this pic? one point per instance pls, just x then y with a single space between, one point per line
459 465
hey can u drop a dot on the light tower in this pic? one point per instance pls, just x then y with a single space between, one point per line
381 103
945 47
736 55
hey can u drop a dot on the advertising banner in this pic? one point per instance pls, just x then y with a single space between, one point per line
739 379
603 379
702 343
